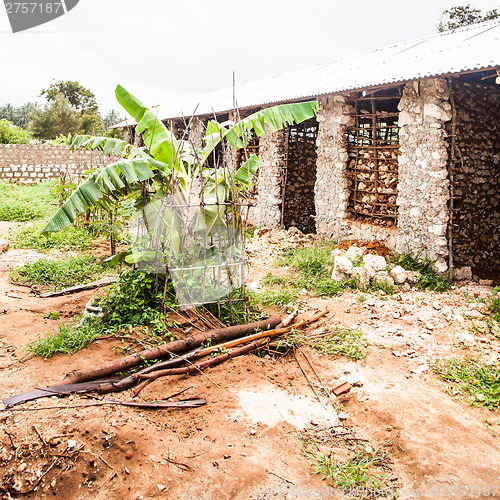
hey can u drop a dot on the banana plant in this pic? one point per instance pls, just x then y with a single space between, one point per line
169 164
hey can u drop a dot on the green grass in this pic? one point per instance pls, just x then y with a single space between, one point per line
284 297
70 238
365 472
311 261
58 274
23 203
69 339
474 379
429 278
493 305
342 341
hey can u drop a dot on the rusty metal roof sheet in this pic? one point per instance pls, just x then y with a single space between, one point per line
466 49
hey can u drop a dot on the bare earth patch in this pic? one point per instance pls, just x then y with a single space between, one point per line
245 442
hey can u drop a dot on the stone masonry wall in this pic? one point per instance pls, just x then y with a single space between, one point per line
476 175
423 189
299 208
332 183
28 163
272 153
331 189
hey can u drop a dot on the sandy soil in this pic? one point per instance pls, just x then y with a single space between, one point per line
244 443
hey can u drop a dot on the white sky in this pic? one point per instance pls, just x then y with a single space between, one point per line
162 50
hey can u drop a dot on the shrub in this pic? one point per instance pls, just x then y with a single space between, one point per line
11 134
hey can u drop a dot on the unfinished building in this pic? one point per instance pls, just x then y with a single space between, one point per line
405 148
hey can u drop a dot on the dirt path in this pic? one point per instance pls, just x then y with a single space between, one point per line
244 442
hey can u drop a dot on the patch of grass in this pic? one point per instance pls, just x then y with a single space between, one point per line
271 279
22 202
382 286
364 473
70 238
342 341
429 278
493 305
58 274
478 381
316 260
69 339
283 297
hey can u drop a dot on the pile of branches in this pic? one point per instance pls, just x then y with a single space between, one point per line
178 357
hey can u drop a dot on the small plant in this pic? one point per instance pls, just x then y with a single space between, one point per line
284 297
342 341
23 203
58 274
479 381
382 286
52 315
316 260
364 473
70 238
69 339
493 305
429 278
271 279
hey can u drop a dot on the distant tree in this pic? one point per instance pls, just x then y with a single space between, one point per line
20 116
110 118
11 134
464 15
58 117
80 99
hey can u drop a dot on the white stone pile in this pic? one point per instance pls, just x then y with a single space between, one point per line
365 267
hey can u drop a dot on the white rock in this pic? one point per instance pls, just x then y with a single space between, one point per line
398 275
355 252
383 277
362 276
440 266
466 338
462 273
412 276
376 261
343 265
4 245
338 252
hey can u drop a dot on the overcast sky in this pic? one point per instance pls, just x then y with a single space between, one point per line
162 50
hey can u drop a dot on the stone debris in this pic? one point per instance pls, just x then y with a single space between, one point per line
462 273
4 245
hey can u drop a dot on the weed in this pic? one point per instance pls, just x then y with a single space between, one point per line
382 286
271 279
429 278
23 203
70 238
493 305
58 274
52 315
364 472
316 260
342 341
283 297
361 298
481 382
69 339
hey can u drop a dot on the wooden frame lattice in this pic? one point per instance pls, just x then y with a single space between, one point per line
373 148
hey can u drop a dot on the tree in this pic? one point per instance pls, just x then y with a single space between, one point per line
57 118
464 15
80 99
11 134
20 116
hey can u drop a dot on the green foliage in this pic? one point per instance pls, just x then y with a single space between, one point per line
316 260
61 139
464 15
69 339
284 297
271 279
382 285
136 300
70 238
79 97
479 381
55 119
26 202
11 134
429 278
20 116
493 304
365 471
342 341
58 274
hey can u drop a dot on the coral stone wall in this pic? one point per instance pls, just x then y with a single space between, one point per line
423 189
331 189
272 154
476 176
29 163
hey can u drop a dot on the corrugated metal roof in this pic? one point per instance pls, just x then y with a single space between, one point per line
470 48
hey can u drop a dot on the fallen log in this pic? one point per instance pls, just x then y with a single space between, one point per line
175 347
79 288
161 369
